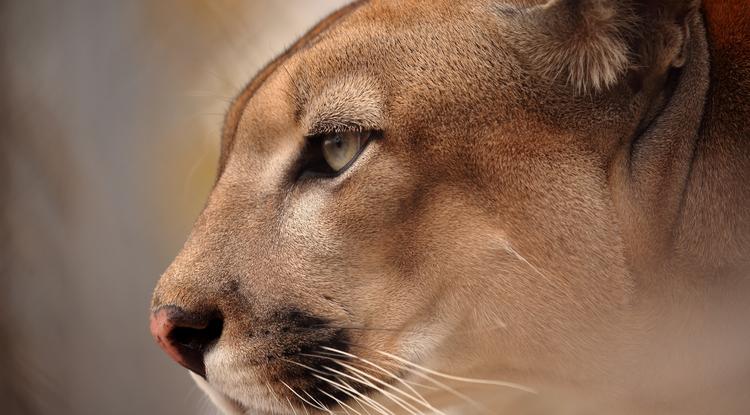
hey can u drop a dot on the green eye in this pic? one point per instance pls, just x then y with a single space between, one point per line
329 154
340 149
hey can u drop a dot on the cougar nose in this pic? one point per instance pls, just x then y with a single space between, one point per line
186 336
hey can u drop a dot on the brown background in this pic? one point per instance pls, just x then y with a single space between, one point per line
109 119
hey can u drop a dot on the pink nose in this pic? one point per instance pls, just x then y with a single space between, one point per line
186 336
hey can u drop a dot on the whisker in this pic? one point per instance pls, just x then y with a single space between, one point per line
292 406
312 370
355 365
499 325
373 404
330 326
460 378
421 385
318 402
400 402
340 402
420 400
302 365
445 387
323 374
268 386
356 399
380 368
403 361
300 396
510 249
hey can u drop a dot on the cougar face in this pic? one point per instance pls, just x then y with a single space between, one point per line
406 186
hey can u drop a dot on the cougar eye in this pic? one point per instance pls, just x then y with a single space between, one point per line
339 149
331 153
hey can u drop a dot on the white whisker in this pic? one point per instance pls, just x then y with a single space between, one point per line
509 248
373 378
291 406
373 403
358 400
382 369
459 378
340 402
473 403
300 396
421 385
419 399
400 402
305 366
344 386
443 386
318 402
268 386
324 374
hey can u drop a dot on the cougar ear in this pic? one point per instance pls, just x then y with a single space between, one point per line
594 43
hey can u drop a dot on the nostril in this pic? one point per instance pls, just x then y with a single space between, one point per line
186 336
197 338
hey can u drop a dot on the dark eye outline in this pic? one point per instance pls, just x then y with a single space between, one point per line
312 163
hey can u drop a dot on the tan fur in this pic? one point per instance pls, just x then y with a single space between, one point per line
506 225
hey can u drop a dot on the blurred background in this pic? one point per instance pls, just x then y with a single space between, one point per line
109 122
